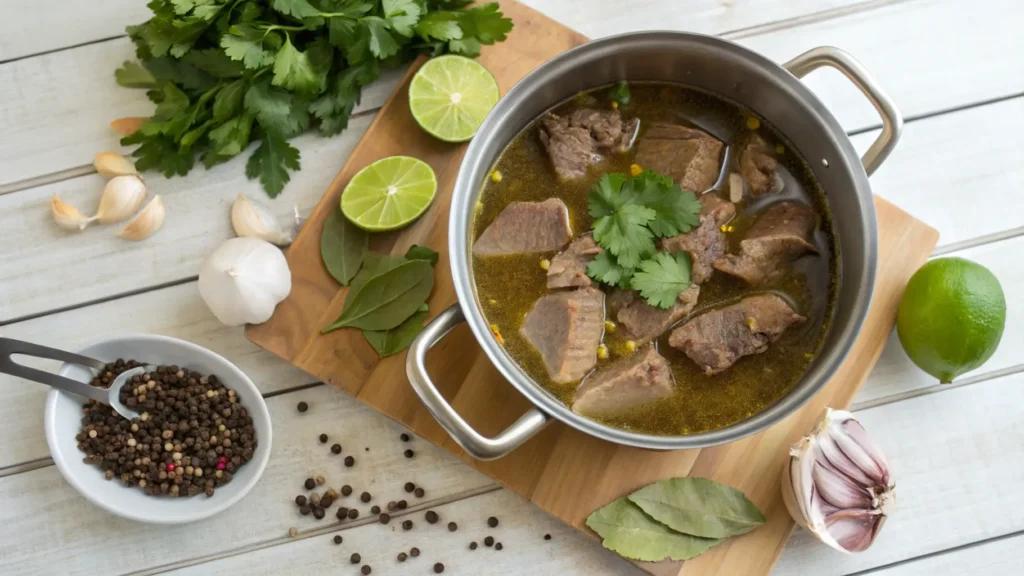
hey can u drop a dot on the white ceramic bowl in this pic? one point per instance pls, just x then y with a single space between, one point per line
64 417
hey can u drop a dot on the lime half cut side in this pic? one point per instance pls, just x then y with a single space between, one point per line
451 95
389 194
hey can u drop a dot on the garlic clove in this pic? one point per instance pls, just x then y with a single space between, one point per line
254 220
121 197
854 530
67 216
148 221
111 164
128 125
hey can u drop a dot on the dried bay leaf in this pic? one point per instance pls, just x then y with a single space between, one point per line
699 507
417 252
387 299
390 342
625 529
342 246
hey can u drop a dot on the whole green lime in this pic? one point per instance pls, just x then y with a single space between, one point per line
951 317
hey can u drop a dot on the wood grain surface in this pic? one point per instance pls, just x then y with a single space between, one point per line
565 472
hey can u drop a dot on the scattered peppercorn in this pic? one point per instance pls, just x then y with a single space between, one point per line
489 541
404 437
409 453
337 539
302 406
409 487
309 484
547 536
431 516
472 546
384 518
419 492
342 513
367 448
318 513
438 568
402 556
326 501
492 522
366 569
320 480
498 546
332 493
293 532
375 509
355 558
305 510
452 526
353 514
346 490
365 496
300 500
414 552
392 505
336 449
323 438
407 525
350 461
402 504
314 499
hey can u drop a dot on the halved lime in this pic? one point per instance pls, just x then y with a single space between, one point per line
389 194
451 95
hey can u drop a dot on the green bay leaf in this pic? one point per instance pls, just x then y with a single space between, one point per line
342 247
390 342
387 299
699 506
626 530
417 252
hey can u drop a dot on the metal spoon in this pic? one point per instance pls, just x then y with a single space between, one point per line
108 396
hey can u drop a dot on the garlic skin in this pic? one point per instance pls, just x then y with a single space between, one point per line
146 222
243 280
254 220
121 198
67 216
837 484
111 164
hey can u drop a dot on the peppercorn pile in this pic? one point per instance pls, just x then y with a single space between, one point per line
191 435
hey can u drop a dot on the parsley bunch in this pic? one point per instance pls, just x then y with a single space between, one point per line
225 73
629 213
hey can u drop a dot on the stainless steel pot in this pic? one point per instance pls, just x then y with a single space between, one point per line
776 93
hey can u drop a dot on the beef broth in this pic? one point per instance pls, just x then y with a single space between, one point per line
553 320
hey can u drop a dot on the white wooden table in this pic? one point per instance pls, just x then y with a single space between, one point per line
956 69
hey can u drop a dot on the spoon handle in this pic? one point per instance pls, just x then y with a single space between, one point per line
9 347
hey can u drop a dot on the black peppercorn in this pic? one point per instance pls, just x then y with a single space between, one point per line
375 509
409 453
404 437
350 461
419 492
402 504
384 518
336 448
326 501
353 514
300 500
407 525
323 438
452 526
547 536
365 496
492 522
346 490
337 539
402 556
498 546
355 558
409 487
414 552
310 484
304 510
302 406
342 513
472 546
366 569
431 516
318 513
438 568
392 505
489 541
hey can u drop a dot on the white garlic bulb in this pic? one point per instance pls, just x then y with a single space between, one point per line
837 484
252 219
67 216
111 164
243 280
121 197
146 222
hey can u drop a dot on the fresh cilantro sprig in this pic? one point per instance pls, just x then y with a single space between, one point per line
629 213
227 73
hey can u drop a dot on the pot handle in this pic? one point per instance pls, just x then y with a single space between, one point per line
892 120
474 443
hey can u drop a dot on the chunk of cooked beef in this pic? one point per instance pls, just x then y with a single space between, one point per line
781 234
629 382
569 267
524 227
566 328
692 157
642 322
757 166
718 338
706 244
713 205
573 142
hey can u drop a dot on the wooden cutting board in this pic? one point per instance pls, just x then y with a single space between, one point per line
563 471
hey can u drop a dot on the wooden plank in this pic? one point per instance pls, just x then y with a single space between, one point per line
40 513
957 458
31 27
1000 557
177 311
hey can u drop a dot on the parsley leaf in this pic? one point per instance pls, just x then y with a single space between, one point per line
439 25
228 101
677 211
231 137
271 161
619 93
214 62
402 15
625 234
273 109
134 75
249 52
485 23
293 71
605 268
382 43
296 8
661 279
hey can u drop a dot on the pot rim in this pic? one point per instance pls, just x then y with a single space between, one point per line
468 186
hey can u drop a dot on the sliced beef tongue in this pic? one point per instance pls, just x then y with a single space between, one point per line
525 227
716 339
692 157
780 234
574 142
566 328
757 166
706 245
637 379
715 206
569 267
642 322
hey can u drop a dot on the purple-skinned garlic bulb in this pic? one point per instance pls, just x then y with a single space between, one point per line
837 483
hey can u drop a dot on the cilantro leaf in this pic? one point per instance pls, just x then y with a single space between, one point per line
625 234
677 211
335 106
231 137
439 25
270 163
248 52
402 15
134 75
228 101
469 47
604 197
295 8
293 71
485 23
273 109
214 62
605 268
620 93
662 278
382 43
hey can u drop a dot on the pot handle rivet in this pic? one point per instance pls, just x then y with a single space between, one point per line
475 444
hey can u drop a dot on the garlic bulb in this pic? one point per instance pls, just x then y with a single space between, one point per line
837 484
67 216
111 164
121 197
252 219
243 280
146 222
